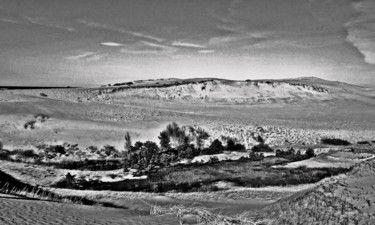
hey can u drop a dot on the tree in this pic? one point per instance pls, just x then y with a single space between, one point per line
230 145
165 140
201 135
216 144
262 148
310 153
138 145
128 142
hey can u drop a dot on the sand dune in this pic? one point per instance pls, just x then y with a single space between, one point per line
16 211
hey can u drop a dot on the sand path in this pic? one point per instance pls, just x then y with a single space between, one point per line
18 211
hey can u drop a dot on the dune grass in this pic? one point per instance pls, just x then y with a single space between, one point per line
202 215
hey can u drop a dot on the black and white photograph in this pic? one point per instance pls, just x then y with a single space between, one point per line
171 112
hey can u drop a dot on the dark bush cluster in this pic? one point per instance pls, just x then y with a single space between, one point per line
30 124
43 117
93 165
262 147
335 141
232 146
292 155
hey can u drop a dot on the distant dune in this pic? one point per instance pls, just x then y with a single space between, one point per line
239 92
298 110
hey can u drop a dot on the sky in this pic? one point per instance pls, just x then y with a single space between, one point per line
95 42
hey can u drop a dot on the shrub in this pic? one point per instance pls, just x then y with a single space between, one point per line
30 124
128 142
43 117
109 150
216 144
310 153
43 95
363 143
164 140
256 156
232 146
213 159
262 148
335 141
1 145
29 153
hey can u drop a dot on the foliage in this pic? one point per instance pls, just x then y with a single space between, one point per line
292 155
165 140
197 177
30 124
109 150
232 146
216 147
256 156
335 141
128 142
310 153
43 117
262 148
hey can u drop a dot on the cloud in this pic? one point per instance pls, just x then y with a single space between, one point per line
85 57
206 51
47 23
7 20
361 30
112 44
145 47
120 30
186 44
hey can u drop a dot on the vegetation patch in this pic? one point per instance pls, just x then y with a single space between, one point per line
335 141
203 177
30 124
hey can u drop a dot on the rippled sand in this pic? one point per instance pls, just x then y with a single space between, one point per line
18 211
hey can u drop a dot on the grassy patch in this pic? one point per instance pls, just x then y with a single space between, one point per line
196 177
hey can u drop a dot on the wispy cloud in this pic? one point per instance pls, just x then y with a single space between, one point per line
186 44
41 21
120 30
7 20
361 30
112 44
145 47
206 51
85 57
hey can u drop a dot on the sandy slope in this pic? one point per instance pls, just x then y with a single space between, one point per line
294 111
344 199
16 211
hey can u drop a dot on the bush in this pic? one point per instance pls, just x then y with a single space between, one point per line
30 124
216 144
1 145
232 146
43 95
109 150
363 143
335 141
262 148
256 156
43 117
310 153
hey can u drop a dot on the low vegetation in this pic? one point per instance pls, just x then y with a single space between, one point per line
201 215
335 141
30 124
203 177
10 185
